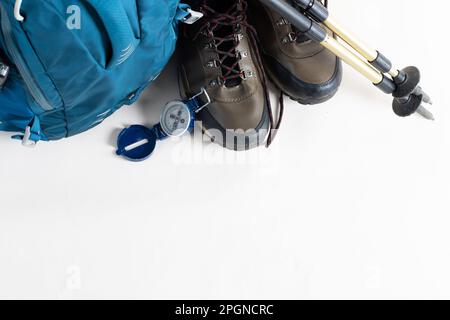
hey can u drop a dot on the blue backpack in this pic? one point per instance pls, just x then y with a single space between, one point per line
72 63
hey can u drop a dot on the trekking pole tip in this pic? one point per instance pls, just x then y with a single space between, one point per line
409 97
424 112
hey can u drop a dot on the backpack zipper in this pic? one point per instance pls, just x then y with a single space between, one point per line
30 82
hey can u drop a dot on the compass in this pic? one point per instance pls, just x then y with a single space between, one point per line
137 143
176 118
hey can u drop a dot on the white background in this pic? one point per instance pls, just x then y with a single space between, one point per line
350 202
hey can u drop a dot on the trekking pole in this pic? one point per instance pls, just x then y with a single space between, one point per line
409 97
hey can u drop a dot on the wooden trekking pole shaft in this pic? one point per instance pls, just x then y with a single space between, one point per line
363 49
352 59
367 52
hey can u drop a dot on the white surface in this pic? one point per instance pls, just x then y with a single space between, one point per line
350 202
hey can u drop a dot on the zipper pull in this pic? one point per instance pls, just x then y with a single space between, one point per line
4 72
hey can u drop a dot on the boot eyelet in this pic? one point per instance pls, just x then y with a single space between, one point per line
238 37
282 22
241 55
216 82
213 64
247 74
290 38
209 46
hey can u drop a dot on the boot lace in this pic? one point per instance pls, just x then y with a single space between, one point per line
224 31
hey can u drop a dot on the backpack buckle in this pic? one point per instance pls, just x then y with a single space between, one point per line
193 16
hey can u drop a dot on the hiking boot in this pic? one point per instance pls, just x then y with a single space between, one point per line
301 68
219 53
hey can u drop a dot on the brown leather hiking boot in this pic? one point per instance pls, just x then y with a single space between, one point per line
219 53
301 68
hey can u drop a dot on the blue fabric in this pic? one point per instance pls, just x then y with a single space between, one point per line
15 113
35 130
72 79
119 30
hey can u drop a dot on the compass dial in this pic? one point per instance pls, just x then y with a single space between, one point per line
176 119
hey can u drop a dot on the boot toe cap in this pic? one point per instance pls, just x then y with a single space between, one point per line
238 131
315 80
